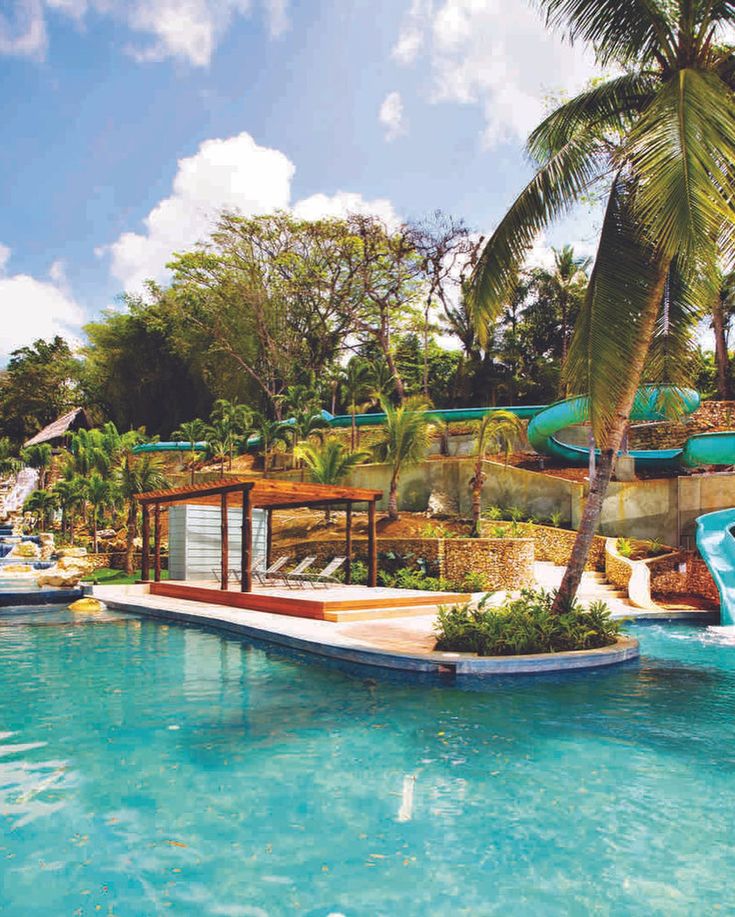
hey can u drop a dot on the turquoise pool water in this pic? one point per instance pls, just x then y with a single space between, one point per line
151 769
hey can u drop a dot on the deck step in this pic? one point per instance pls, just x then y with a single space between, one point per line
341 615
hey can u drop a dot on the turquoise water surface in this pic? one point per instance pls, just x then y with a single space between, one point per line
151 769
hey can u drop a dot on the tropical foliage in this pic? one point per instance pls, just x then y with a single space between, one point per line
527 624
657 142
404 439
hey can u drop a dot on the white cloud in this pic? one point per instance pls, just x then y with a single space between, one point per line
23 30
343 203
234 173
32 308
391 116
187 30
505 61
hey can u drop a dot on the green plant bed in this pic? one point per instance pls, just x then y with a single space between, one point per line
106 576
524 625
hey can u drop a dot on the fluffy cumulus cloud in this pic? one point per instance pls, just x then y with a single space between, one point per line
391 116
187 30
480 54
31 308
233 173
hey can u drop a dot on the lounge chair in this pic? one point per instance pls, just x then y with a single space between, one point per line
293 577
267 577
326 576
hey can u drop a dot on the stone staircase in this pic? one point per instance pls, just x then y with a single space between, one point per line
593 588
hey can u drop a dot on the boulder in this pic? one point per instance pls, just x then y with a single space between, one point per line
26 549
442 505
68 578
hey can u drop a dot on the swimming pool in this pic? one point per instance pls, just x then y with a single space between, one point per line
147 768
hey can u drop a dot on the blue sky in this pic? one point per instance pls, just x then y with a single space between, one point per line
128 123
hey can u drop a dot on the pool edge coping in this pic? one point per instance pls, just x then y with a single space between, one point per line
458 664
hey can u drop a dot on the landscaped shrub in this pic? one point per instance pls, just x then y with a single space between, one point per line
406 578
524 625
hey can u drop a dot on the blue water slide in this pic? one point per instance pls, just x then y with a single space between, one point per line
716 544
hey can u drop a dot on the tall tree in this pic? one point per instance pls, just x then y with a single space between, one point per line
660 139
191 432
39 457
40 383
135 475
404 440
356 387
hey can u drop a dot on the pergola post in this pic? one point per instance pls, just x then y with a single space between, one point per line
157 542
268 537
348 543
372 547
145 562
246 547
224 541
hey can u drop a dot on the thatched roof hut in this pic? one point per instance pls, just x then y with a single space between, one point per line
55 432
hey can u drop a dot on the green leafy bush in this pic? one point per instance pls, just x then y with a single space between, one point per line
494 513
524 625
625 547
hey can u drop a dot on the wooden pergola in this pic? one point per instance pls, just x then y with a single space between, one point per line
256 494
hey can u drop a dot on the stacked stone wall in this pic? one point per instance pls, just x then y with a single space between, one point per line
505 563
711 416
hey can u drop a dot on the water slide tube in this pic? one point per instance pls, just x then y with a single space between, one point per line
451 415
546 421
717 546
701 449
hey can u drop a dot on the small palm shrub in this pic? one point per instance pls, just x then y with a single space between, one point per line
524 625
625 547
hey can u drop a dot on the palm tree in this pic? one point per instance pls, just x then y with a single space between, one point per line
100 495
404 441
564 286
44 503
70 493
231 421
721 314
191 432
328 463
39 457
137 475
222 441
496 432
356 386
269 432
659 138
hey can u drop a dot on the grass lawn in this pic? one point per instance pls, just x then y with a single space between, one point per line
106 576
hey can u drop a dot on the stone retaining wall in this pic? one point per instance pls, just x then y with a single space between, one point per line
555 545
711 415
666 580
506 563
431 550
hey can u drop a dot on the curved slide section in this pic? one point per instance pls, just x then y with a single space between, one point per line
716 544
544 427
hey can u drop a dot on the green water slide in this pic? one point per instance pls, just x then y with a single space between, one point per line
649 405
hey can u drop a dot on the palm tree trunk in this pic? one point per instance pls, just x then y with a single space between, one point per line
393 496
130 541
94 531
721 356
598 487
478 479
353 432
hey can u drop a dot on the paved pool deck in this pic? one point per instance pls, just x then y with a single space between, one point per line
400 643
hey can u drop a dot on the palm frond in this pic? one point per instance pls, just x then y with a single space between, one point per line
606 108
623 281
551 192
681 152
621 31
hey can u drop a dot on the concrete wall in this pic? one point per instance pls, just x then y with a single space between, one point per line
194 540
663 509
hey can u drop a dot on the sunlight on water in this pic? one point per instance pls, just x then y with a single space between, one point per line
149 769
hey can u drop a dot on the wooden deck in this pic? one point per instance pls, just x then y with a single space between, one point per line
336 603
